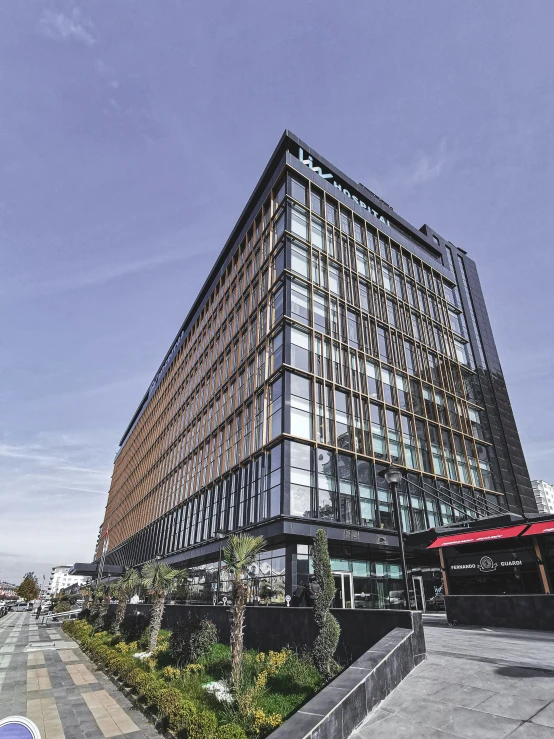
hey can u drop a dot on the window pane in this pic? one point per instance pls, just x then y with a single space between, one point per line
321 313
301 407
298 190
300 307
300 349
299 260
299 222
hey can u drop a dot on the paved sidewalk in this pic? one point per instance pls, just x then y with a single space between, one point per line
46 677
475 684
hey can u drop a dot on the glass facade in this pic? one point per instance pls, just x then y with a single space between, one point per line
325 345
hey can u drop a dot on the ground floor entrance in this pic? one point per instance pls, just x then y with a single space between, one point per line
344 590
364 576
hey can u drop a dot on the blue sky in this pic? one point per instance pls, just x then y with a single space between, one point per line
131 135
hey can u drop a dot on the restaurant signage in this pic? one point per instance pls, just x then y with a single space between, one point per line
486 565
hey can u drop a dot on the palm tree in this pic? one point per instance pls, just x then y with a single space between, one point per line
86 591
101 599
123 590
157 577
240 553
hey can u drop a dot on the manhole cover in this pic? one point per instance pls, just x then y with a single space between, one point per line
18 727
38 645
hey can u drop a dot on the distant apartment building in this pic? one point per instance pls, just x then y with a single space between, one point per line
544 495
60 579
7 590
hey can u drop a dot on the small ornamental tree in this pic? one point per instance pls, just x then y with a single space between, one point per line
240 554
101 599
29 588
123 590
86 592
158 578
326 641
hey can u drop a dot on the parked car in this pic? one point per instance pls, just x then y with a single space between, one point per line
436 603
397 599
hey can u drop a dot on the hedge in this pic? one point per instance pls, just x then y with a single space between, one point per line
179 713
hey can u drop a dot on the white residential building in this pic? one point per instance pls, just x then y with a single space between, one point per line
60 578
544 495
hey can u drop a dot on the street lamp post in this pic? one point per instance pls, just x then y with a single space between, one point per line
220 535
393 476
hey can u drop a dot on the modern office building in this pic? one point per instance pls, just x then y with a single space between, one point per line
330 338
544 496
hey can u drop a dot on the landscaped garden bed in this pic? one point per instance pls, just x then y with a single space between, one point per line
190 698
198 687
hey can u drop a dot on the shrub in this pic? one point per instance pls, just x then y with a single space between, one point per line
77 629
126 667
184 719
133 626
119 665
263 721
84 614
202 725
194 669
140 682
152 689
170 704
230 731
102 653
134 678
112 661
171 673
192 640
86 642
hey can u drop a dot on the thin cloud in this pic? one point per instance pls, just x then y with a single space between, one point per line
86 275
57 486
63 27
425 168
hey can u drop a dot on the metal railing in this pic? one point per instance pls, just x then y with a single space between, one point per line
64 616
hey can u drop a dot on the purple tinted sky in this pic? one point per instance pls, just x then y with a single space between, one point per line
131 136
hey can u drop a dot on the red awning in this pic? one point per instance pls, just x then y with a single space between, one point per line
475 537
544 527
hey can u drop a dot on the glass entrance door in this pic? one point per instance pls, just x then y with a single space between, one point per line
344 590
419 592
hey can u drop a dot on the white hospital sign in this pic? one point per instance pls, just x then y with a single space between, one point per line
309 162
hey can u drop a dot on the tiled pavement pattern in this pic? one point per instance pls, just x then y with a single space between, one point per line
80 675
48 679
475 684
44 712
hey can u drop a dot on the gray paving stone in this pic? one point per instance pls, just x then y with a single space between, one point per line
395 727
532 731
425 711
478 725
421 685
512 706
545 717
462 695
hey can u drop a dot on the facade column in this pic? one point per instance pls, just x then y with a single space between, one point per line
443 572
542 568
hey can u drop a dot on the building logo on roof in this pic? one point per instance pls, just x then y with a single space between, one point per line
487 565
309 162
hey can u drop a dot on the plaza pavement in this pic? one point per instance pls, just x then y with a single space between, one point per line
475 684
45 677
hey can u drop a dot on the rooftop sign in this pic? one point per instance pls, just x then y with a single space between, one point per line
309 162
